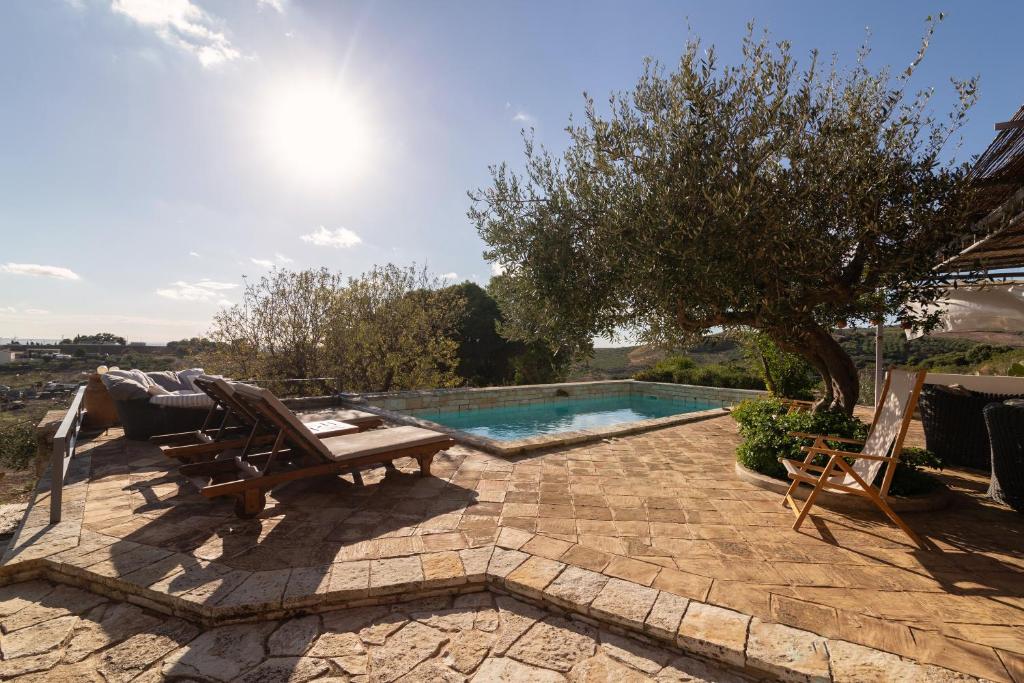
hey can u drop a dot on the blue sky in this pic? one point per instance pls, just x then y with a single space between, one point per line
155 151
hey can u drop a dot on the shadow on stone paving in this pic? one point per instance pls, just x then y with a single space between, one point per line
308 524
976 547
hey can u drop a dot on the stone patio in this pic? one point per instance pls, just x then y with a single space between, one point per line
56 633
650 535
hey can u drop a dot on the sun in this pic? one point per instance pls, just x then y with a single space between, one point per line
315 132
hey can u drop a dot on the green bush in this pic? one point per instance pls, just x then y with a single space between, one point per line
785 374
17 445
765 425
682 370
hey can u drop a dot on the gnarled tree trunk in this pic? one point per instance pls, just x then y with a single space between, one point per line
838 373
842 385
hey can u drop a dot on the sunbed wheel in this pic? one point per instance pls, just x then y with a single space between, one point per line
250 503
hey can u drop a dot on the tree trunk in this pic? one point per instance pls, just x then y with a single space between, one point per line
835 366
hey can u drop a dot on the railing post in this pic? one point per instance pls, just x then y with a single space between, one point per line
63 450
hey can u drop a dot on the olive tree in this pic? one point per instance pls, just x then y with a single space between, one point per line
768 196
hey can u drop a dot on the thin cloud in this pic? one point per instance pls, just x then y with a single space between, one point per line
497 269
450 276
277 5
279 259
194 254
523 117
36 311
37 270
340 238
8 309
183 25
204 290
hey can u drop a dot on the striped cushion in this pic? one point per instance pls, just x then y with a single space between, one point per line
182 400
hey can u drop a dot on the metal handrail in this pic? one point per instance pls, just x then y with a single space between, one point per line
63 450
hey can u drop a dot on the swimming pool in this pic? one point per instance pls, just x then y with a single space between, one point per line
514 423
512 420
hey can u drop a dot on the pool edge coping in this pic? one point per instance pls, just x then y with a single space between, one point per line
520 446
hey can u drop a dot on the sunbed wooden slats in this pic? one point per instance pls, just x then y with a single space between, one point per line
209 441
297 453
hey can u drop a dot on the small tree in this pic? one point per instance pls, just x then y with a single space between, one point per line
484 355
392 329
755 196
99 338
387 329
785 374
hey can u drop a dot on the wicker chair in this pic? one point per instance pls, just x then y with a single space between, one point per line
1006 431
954 425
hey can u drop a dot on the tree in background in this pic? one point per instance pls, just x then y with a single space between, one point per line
193 347
756 196
392 329
485 357
99 338
545 350
387 329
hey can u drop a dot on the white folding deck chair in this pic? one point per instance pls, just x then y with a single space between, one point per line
881 449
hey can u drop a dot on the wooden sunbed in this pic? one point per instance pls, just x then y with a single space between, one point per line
229 423
298 453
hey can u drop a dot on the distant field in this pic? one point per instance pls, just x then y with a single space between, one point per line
982 352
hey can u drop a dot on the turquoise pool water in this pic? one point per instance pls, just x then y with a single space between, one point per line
571 415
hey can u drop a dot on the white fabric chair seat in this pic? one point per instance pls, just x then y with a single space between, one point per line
841 478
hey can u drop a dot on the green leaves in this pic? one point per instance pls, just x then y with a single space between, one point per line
760 195
389 329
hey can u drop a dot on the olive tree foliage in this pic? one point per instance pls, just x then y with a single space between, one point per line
764 196
385 330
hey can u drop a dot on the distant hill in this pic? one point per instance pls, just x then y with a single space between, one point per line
624 362
985 352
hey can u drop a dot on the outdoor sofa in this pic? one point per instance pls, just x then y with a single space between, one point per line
953 419
151 403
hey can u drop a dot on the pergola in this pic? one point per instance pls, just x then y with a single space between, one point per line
992 248
996 238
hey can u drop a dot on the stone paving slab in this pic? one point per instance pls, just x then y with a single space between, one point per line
576 530
46 637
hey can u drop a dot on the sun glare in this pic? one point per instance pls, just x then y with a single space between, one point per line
315 132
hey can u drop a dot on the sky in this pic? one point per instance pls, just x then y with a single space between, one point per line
157 152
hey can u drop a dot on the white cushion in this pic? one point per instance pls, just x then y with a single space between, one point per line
182 399
186 376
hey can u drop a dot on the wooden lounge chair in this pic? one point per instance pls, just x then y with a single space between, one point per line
218 434
881 449
297 453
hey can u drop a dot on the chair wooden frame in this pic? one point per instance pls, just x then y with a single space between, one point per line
296 453
819 477
208 441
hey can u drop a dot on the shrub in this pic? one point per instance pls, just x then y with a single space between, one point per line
785 374
765 425
682 370
17 445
